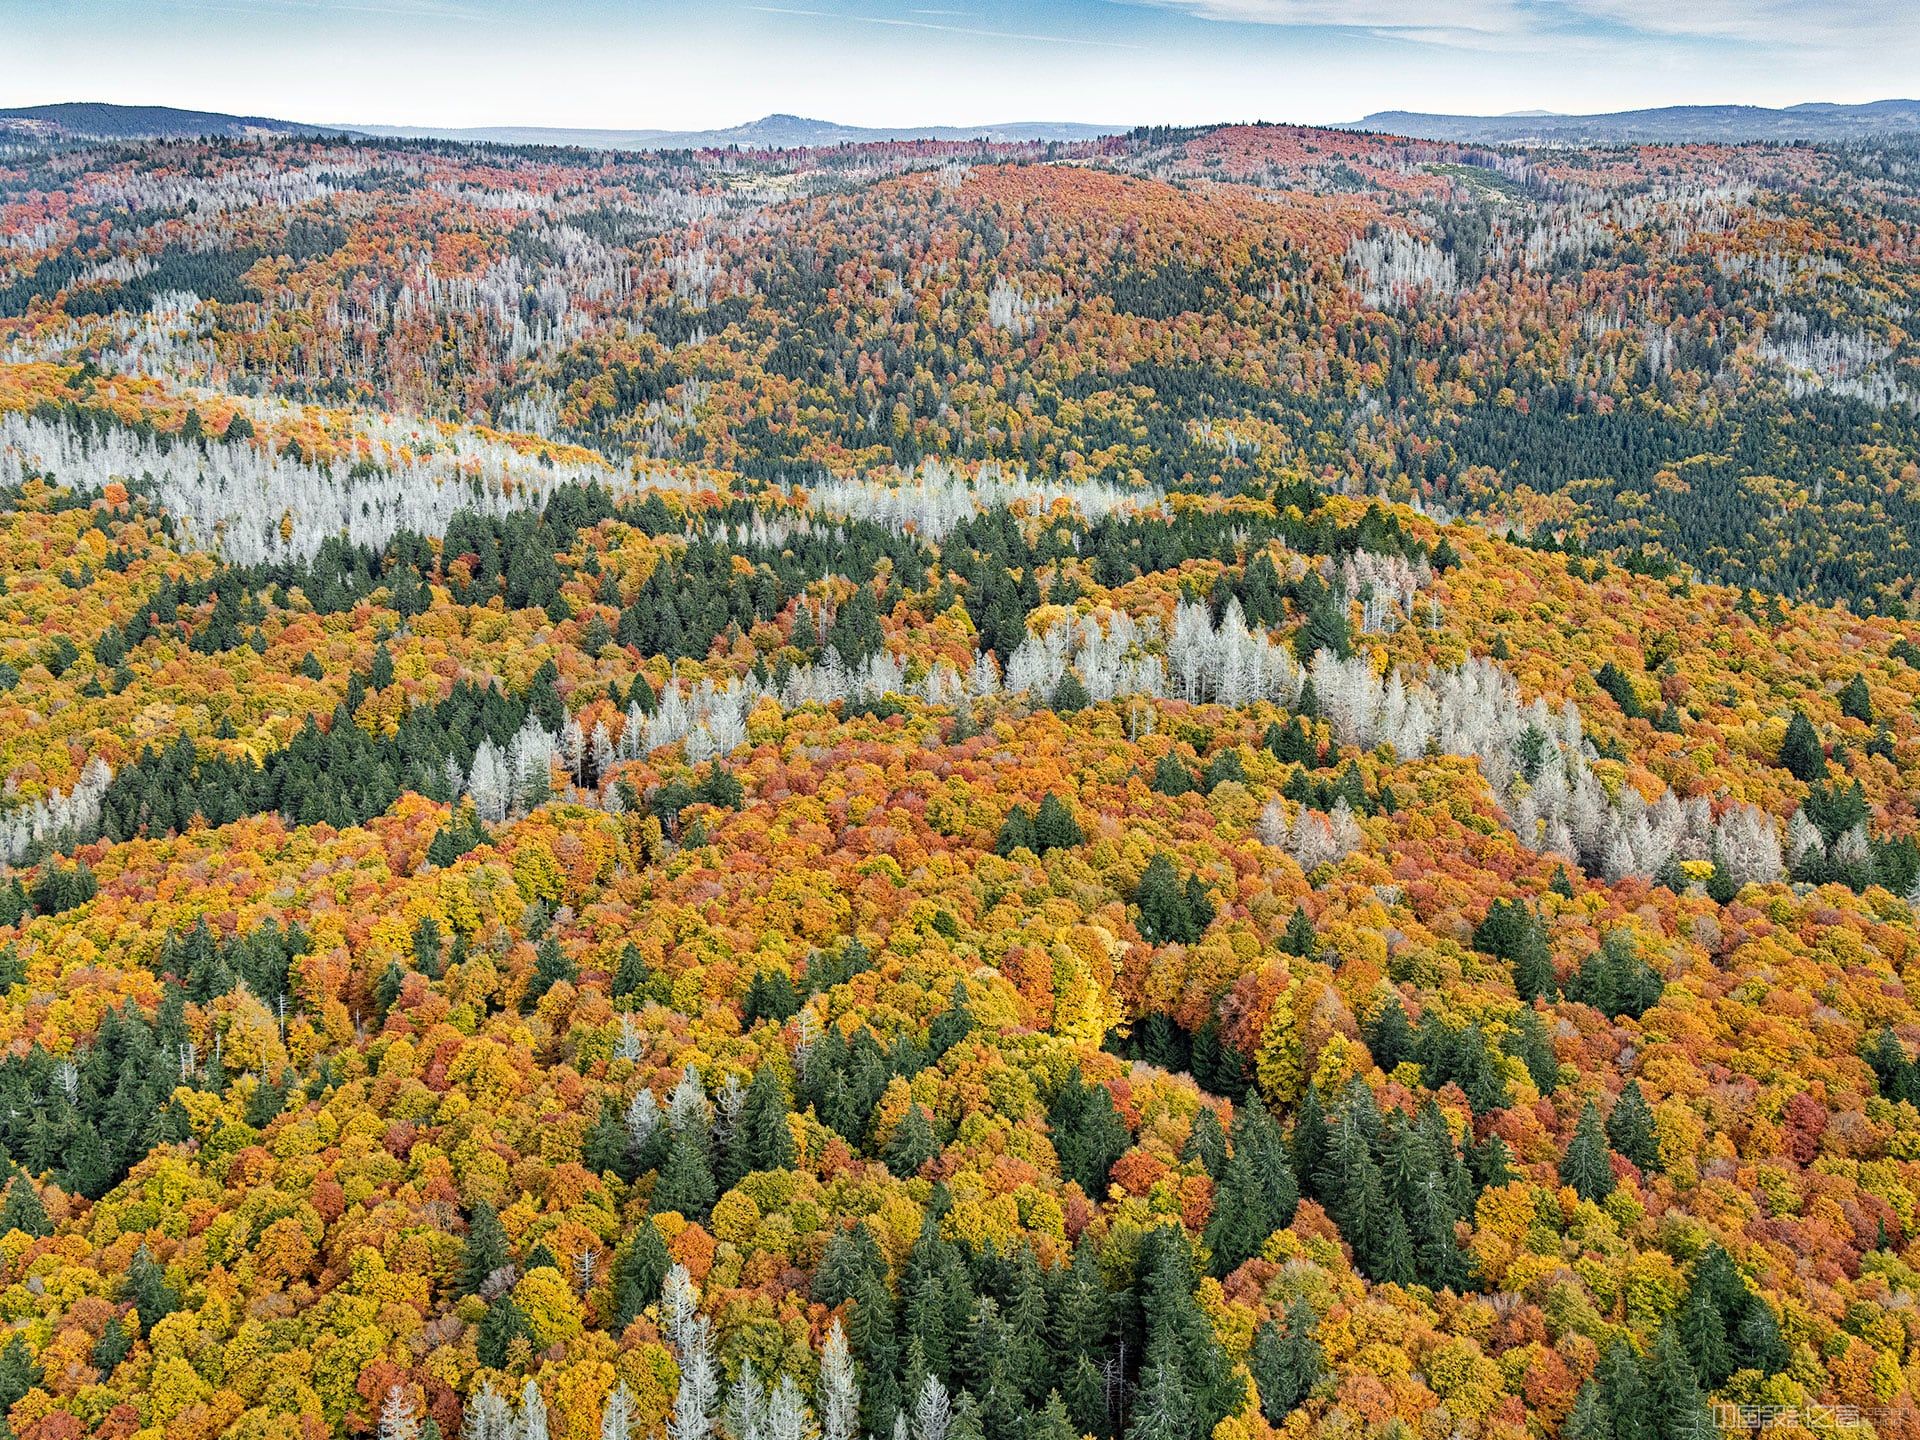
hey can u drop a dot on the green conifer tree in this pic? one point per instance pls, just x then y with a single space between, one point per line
111 1348
1016 833
1165 914
913 1144
764 1134
1800 753
1855 702
146 1286
1300 937
1310 1141
1206 1142
686 1181
1287 1364
1054 827
1587 1165
1172 777
1630 1128
23 1210
19 1373
503 1323
639 1271
485 1250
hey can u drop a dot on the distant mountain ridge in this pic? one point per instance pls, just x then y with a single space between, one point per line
97 120
770 132
1726 124
91 120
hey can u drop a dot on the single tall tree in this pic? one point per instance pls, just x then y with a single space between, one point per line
1587 1166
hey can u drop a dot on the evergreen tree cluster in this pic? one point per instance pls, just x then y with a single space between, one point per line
1801 753
1173 776
1327 792
1615 980
1514 933
1721 1329
1216 1065
89 1118
1655 1396
1287 1362
341 775
1027 1351
1724 1327
1898 1077
1254 1189
1587 1166
1089 1137
1293 744
1612 679
1172 910
1463 1054
694 1149
57 888
1395 1186
1840 814
1048 826
690 598
844 1079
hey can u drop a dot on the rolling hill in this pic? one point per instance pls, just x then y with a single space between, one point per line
94 120
1725 124
91 120
770 132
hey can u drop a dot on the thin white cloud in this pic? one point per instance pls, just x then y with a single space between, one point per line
1489 17
1847 24
402 9
1858 26
893 22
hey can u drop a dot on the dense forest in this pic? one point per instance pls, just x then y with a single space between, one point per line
1231 783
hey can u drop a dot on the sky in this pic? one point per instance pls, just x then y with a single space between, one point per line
650 64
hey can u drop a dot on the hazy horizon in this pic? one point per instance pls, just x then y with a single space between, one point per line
403 129
595 64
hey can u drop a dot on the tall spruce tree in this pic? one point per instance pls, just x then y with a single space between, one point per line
485 1249
19 1373
764 1138
639 1271
1587 1166
1206 1143
1286 1363
686 1180
1630 1128
1855 702
913 1143
1801 754
1166 914
1054 827
1310 1141
23 1210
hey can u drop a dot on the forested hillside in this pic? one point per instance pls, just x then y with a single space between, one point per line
1230 783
